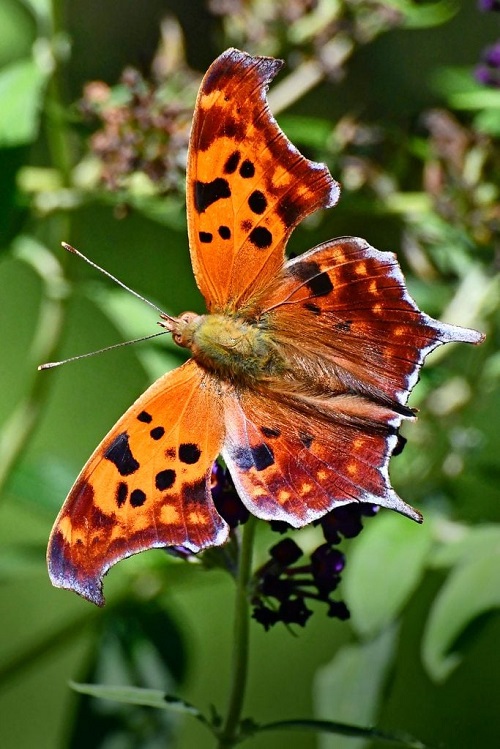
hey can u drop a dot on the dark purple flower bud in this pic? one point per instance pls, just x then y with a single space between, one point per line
338 610
294 612
486 5
491 56
226 499
349 520
265 616
368 510
276 588
329 526
279 526
286 552
327 564
487 76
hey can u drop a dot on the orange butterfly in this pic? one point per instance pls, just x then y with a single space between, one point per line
300 371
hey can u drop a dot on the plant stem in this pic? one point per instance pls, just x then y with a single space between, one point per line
228 736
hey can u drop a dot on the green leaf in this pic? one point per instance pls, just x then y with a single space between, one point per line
428 14
385 566
309 131
349 688
137 696
462 543
21 90
470 591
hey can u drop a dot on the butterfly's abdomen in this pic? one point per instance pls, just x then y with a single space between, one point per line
234 348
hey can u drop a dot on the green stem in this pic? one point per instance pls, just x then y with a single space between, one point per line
228 736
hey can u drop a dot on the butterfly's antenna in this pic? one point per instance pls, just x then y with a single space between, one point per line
52 364
71 249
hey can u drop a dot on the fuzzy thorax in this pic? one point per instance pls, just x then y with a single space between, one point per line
233 347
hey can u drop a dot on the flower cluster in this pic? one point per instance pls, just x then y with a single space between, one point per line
488 71
144 123
282 587
303 27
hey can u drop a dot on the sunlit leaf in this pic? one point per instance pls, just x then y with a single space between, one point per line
385 566
21 90
137 696
349 688
470 591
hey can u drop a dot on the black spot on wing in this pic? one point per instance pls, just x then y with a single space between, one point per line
259 457
120 455
137 498
247 169
306 439
145 417
316 280
320 285
224 232
189 453
261 237
157 433
257 202
312 308
121 493
206 193
270 432
288 210
165 479
205 237
232 163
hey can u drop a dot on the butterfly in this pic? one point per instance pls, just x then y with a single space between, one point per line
300 370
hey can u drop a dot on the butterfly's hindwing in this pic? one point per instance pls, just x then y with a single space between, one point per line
147 485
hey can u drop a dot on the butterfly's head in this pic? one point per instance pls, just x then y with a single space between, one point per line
182 327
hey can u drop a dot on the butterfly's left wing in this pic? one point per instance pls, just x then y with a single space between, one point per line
147 484
247 185
354 342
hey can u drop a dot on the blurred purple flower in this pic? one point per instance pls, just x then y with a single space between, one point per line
486 5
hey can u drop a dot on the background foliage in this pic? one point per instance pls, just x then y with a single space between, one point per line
383 92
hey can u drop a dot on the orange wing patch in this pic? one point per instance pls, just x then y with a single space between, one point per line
295 461
147 485
248 186
359 329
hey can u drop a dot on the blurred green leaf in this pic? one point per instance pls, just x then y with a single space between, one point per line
385 566
350 687
18 561
21 90
140 644
137 696
462 543
312 132
471 590
425 15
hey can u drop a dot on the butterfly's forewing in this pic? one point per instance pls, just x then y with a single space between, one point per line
247 185
147 484
358 328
